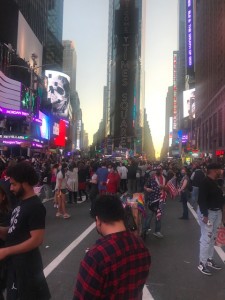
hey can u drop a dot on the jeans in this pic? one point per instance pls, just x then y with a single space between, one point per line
184 200
208 234
148 219
194 195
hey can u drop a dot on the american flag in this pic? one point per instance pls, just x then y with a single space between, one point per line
171 185
220 240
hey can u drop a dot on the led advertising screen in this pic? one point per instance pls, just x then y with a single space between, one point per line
10 93
189 103
175 59
190 36
44 128
58 92
60 140
170 131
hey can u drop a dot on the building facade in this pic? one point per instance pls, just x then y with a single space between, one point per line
210 76
125 79
70 62
36 14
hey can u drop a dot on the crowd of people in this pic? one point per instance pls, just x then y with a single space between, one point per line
22 219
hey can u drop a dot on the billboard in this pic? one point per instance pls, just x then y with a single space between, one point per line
190 36
170 131
60 140
44 128
126 30
28 43
58 92
175 59
10 93
189 103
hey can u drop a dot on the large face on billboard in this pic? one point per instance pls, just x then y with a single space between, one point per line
189 103
58 92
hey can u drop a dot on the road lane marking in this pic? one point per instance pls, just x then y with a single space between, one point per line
54 264
146 294
219 250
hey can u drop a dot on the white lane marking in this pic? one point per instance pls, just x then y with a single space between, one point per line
54 264
146 294
219 250
51 267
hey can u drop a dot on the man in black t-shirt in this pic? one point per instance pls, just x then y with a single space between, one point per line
26 279
211 202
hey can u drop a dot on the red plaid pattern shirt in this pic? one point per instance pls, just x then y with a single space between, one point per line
115 268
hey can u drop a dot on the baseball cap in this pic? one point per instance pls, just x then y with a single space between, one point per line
214 166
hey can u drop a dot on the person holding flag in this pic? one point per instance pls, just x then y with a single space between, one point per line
155 194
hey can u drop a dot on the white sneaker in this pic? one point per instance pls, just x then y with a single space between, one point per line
158 235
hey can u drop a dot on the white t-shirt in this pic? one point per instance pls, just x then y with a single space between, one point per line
122 172
63 184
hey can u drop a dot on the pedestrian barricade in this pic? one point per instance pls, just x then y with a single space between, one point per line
134 205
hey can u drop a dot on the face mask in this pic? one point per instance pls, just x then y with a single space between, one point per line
182 173
158 173
109 169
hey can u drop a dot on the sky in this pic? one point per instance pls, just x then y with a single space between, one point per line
86 23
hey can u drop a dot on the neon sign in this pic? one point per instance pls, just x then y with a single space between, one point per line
189 34
21 113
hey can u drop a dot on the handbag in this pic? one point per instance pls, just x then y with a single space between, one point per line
220 239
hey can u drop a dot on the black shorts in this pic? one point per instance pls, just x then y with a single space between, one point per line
63 191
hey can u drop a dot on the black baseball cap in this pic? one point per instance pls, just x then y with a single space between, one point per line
214 166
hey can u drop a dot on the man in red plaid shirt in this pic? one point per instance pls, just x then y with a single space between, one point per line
117 266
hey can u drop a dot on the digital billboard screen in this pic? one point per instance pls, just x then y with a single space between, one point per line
190 36
189 103
44 128
58 92
60 140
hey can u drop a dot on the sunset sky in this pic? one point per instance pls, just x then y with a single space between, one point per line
86 23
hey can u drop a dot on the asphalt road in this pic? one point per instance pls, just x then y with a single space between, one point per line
173 276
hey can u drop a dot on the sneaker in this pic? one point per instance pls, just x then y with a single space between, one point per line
148 231
158 235
212 264
202 268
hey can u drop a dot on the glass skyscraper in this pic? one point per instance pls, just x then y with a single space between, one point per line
55 18
125 80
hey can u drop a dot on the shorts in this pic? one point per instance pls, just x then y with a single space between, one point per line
63 191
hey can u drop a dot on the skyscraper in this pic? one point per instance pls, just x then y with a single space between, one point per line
70 62
210 74
181 62
53 51
55 18
125 80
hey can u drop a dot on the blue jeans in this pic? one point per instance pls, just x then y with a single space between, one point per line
148 219
194 196
208 234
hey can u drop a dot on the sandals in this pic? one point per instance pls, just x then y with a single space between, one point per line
58 214
66 216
